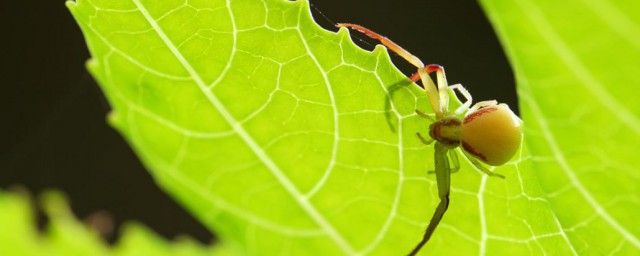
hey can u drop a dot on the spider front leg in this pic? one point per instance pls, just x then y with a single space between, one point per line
443 178
386 42
427 82
442 93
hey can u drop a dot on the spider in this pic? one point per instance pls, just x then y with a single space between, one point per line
488 132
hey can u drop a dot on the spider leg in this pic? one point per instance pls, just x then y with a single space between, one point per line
386 42
443 178
430 88
443 90
483 169
425 116
482 104
454 160
466 95
423 140
427 82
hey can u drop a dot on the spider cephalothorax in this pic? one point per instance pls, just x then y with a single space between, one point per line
446 131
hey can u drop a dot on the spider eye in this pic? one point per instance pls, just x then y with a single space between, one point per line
491 134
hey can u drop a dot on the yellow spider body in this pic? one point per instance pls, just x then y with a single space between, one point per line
491 134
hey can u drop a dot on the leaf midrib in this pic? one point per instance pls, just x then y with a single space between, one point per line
236 126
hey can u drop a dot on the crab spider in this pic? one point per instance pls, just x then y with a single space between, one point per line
488 132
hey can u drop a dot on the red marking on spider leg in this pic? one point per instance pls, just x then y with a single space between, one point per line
362 29
479 113
433 67
415 77
472 151
429 68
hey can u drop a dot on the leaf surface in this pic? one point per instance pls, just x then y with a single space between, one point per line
65 235
576 65
285 138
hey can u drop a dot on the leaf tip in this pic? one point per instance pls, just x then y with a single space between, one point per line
91 64
71 5
380 49
54 203
113 119
343 31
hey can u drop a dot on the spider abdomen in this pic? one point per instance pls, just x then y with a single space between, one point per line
492 134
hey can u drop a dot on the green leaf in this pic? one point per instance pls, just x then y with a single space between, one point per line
286 138
65 235
576 64
278 134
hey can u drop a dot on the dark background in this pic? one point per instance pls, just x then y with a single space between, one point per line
53 133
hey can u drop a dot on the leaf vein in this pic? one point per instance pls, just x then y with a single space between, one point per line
239 129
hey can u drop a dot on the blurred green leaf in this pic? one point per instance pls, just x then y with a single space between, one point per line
65 235
576 65
18 236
